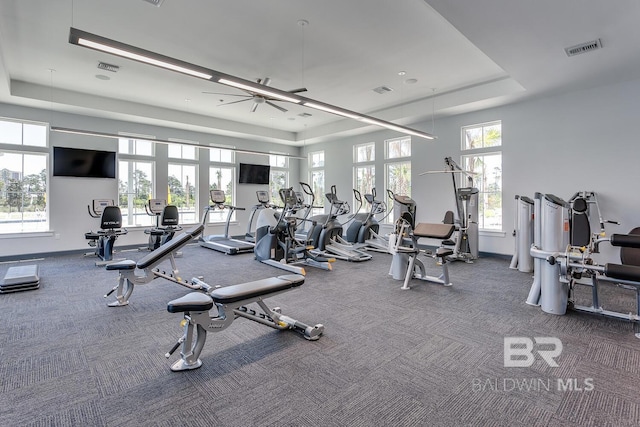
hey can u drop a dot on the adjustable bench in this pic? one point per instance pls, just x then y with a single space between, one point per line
405 252
144 271
231 302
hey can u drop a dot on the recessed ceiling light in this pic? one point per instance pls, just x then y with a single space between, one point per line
410 81
102 77
402 73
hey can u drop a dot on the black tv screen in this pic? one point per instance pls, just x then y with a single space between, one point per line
83 163
253 174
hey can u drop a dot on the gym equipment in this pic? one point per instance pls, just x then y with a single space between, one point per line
403 245
523 233
327 237
466 235
20 278
564 266
131 273
223 243
110 228
263 203
230 303
167 219
364 228
276 241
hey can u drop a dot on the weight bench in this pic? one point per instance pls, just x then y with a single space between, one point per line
133 273
20 278
403 244
231 302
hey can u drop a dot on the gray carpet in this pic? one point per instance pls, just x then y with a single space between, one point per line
430 356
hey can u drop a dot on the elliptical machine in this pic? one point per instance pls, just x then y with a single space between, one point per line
276 241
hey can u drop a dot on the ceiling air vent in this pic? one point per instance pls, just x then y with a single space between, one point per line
583 48
305 115
108 67
382 89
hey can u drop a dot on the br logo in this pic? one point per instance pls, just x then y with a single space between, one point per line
520 352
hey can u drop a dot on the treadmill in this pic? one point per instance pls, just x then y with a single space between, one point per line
223 243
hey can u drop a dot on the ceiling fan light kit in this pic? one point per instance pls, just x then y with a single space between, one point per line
102 44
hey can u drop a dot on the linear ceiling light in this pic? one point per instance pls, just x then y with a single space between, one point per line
102 44
163 141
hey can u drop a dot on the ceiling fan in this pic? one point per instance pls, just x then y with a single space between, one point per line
257 98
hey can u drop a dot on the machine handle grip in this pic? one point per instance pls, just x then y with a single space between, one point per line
625 240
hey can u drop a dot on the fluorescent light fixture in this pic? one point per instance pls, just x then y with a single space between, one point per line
113 47
261 91
102 44
163 141
332 110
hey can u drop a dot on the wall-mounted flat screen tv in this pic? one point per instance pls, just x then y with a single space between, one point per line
253 174
83 163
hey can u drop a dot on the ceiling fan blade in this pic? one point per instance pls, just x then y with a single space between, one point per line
226 94
234 102
302 89
284 110
253 107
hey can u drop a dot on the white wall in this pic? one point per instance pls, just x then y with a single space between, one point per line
68 197
559 144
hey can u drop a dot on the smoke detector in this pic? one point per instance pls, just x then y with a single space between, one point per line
583 47
382 89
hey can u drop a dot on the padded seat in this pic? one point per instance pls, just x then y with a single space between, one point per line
122 265
434 231
195 301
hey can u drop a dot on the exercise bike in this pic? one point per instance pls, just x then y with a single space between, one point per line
110 228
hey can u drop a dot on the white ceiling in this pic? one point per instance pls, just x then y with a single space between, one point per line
464 55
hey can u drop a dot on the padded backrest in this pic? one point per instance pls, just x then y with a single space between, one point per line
448 218
580 227
170 216
631 256
111 218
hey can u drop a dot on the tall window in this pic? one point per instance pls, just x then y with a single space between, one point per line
278 176
481 147
24 148
316 180
222 173
397 174
183 181
364 170
135 180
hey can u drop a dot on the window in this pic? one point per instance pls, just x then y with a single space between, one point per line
397 169
183 181
278 176
23 176
316 181
364 172
136 183
222 177
480 142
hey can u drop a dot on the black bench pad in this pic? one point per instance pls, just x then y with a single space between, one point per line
195 301
244 291
434 231
122 265
172 245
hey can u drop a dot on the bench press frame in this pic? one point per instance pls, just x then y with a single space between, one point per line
133 273
231 302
